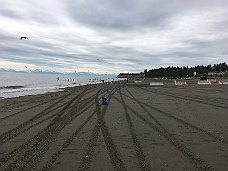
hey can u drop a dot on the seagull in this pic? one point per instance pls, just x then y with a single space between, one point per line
24 38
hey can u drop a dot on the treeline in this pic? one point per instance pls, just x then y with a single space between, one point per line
210 71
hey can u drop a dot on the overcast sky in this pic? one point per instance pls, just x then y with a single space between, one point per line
112 36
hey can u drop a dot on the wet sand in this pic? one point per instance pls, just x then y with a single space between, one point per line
143 127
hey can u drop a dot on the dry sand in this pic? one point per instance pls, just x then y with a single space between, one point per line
142 128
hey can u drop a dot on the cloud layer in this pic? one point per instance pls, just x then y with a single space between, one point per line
112 36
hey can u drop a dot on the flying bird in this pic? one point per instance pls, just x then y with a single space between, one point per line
24 38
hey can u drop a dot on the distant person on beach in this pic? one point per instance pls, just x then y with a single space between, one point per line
57 78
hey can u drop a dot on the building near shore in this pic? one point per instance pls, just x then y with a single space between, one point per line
132 77
218 73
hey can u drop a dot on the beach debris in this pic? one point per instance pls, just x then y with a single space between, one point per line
180 83
156 83
104 101
204 82
222 82
24 38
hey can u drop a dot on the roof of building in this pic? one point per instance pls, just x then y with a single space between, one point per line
131 75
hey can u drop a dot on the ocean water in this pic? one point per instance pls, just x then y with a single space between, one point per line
20 84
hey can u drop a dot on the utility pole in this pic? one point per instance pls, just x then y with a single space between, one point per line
187 70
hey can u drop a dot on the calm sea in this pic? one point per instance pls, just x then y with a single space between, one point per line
21 84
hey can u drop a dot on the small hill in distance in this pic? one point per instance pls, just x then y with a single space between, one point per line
38 71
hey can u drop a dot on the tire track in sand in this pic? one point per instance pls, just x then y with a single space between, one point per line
143 162
39 115
158 127
189 99
44 138
213 136
32 99
19 129
17 113
55 156
31 157
114 154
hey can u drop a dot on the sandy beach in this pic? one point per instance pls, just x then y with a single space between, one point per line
143 127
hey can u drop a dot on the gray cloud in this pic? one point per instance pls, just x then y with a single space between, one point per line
134 14
104 35
119 15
